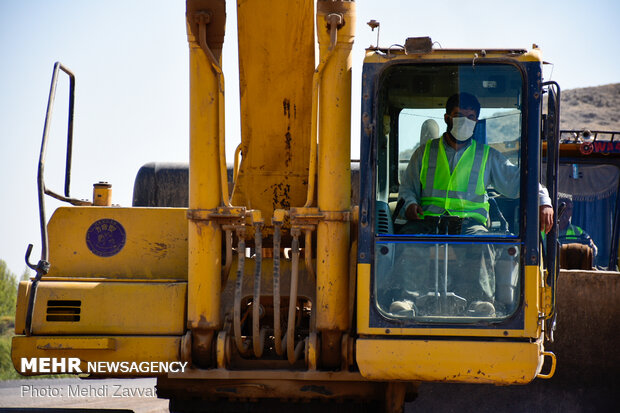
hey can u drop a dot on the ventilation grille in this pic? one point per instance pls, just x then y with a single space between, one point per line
63 310
383 218
383 222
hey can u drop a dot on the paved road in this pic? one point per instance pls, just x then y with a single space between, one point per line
540 396
134 394
566 395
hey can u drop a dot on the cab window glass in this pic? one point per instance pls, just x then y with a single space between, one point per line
448 180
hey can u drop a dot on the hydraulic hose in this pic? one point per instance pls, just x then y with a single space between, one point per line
241 346
277 330
293 352
258 334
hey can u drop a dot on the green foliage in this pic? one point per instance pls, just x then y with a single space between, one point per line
8 297
7 371
26 275
8 290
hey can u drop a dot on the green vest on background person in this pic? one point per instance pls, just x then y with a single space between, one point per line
572 233
461 192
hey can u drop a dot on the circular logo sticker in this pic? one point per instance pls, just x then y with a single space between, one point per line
586 148
105 237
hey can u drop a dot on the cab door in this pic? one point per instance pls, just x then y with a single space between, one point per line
455 295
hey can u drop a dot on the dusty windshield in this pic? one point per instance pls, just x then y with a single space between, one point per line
448 193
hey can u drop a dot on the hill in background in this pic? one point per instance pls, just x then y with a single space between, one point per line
593 108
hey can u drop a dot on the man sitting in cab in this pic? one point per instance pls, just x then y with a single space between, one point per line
444 190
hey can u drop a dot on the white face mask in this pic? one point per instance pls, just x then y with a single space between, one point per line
462 128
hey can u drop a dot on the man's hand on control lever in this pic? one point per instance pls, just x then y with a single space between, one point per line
546 218
414 212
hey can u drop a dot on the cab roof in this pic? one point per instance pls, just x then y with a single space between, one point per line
423 48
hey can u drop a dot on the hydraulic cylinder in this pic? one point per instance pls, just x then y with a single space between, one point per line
335 28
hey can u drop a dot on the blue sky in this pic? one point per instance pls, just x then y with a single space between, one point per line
131 66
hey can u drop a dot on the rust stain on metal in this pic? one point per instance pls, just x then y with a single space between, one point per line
203 324
287 142
287 137
159 248
281 198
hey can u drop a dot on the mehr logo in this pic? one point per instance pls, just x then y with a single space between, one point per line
51 365
72 365
105 237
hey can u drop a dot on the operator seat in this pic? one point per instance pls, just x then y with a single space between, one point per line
576 256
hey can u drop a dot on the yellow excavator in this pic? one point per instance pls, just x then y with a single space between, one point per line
273 282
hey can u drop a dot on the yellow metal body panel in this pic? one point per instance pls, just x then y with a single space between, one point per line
23 290
155 246
89 343
98 349
108 308
276 63
449 361
533 55
532 327
532 301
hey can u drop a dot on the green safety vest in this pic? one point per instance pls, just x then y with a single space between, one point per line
461 193
573 233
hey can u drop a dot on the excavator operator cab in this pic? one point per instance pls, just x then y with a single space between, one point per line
455 136
451 278
459 263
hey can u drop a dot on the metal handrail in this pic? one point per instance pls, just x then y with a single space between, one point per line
577 134
552 133
42 267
